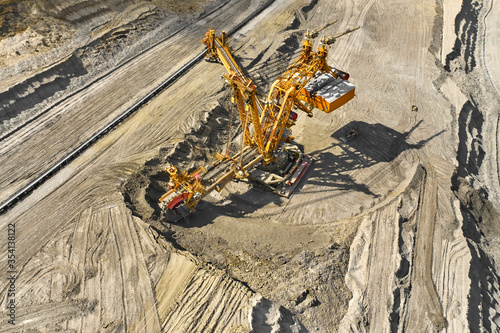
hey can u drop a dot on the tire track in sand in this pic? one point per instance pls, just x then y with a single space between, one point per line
424 302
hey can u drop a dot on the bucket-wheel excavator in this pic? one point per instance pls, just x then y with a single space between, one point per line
308 83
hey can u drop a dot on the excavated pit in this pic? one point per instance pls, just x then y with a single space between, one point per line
205 134
322 297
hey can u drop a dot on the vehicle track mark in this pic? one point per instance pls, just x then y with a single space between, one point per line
100 133
424 301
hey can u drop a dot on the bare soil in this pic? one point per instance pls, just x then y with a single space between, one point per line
393 231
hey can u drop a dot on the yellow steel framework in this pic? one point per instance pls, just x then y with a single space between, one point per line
263 122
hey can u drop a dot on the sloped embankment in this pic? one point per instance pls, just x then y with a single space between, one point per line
140 284
475 182
48 52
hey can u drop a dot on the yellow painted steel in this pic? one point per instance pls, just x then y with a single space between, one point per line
264 122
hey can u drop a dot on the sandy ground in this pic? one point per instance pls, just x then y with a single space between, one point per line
394 231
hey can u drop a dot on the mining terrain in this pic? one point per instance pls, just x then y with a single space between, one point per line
396 230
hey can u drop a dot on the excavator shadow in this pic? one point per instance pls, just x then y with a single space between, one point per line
362 145
238 205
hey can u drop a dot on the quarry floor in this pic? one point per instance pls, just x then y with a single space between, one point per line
393 231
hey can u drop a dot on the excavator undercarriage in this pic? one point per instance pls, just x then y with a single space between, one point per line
266 155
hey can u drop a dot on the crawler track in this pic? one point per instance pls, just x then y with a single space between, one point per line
114 123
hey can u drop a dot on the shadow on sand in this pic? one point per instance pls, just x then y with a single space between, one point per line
375 143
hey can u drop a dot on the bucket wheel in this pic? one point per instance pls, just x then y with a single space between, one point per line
176 208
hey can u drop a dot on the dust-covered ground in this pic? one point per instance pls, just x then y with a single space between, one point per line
393 231
51 49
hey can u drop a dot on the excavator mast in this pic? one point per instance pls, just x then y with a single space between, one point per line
308 83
